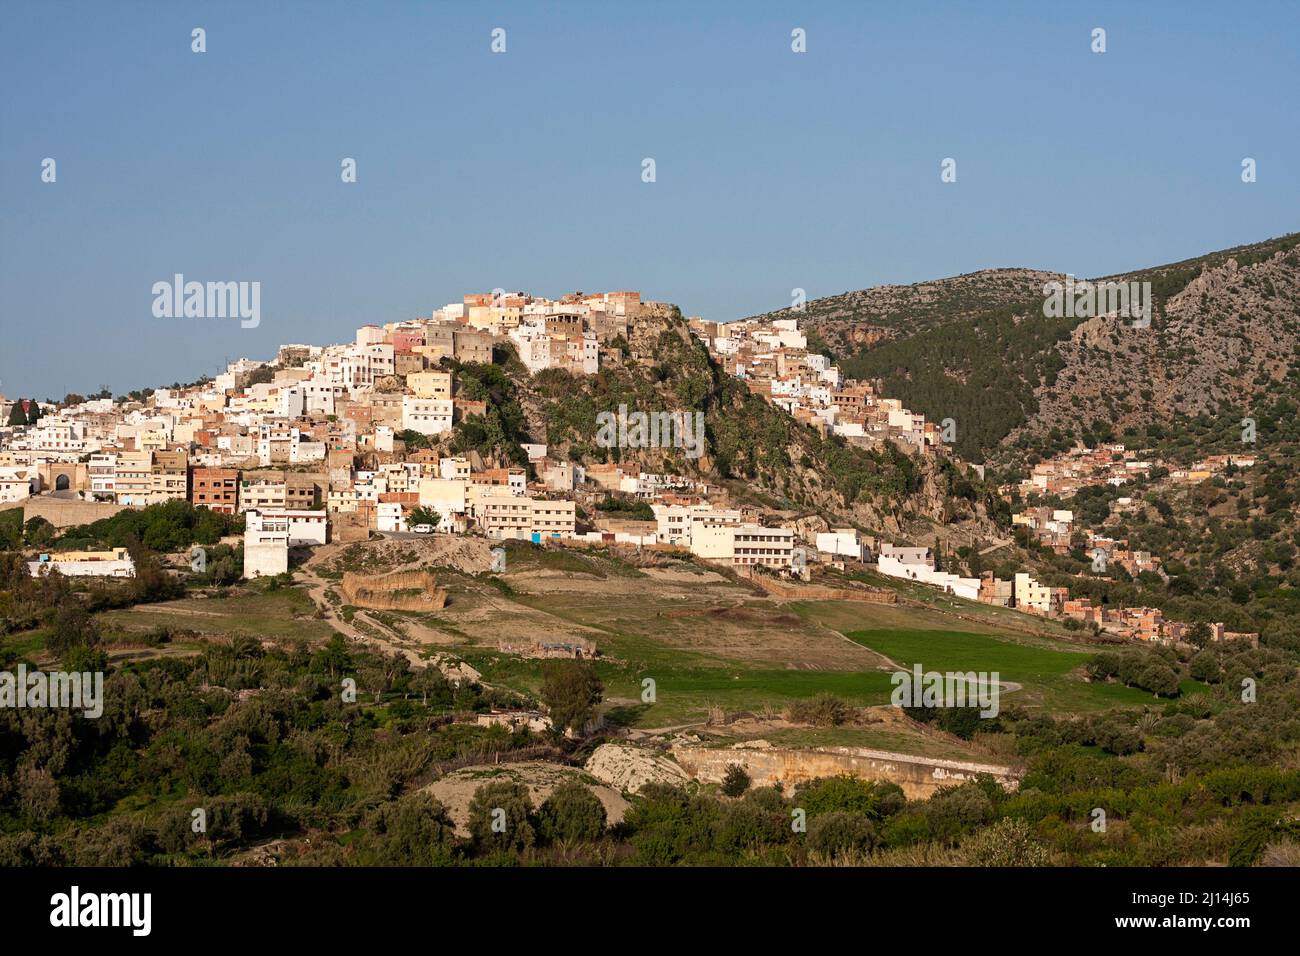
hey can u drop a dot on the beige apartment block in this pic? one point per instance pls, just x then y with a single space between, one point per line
431 384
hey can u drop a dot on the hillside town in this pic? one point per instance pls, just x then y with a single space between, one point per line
773 361
333 443
330 443
1114 464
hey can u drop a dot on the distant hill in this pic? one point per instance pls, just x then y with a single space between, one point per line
977 348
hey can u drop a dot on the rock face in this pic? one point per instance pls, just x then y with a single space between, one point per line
918 776
1228 337
630 768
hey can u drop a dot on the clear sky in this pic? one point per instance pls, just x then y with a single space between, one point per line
522 170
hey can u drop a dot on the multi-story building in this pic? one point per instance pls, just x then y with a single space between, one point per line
431 384
216 489
278 490
134 478
168 477
102 469
302 527
428 416
507 516
266 546
765 547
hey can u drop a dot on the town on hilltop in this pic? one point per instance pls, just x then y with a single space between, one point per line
338 443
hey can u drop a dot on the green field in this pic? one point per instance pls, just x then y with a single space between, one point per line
706 645
1047 670
279 614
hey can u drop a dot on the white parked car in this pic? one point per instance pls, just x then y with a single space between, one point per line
423 529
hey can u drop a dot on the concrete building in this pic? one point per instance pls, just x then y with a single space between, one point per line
842 543
134 477
304 528
1032 596
116 563
508 516
266 546
216 489
428 416
765 547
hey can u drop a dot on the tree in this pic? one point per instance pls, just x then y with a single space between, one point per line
735 781
39 532
501 816
333 658
422 515
72 627
1198 635
412 439
570 690
840 832
412 831
16 414
571 813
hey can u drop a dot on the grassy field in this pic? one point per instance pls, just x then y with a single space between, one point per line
1047 671
283 613
706 640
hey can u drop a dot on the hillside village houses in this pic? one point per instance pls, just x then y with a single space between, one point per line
308 450
772 359
1028 595
1110 463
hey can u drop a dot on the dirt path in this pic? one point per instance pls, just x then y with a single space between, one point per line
380 635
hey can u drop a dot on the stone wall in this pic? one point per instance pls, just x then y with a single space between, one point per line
403 591
918 776
63 512
818 592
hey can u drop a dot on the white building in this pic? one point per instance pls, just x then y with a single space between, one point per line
304 528
266 547
842 543
428 416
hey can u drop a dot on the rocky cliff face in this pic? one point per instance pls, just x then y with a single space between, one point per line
1227 338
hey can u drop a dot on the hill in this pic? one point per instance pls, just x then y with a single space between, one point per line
979 349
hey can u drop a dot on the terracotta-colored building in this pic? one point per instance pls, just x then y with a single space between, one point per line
216 489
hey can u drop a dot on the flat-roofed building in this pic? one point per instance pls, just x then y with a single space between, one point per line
216 489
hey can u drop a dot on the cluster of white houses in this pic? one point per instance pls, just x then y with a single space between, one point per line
771 357
1025 593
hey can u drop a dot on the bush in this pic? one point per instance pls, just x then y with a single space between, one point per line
840 832
824 710
412 831
873 800
501 816
571 813
1006 843
735 782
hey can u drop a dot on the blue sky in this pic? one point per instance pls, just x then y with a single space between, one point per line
522 170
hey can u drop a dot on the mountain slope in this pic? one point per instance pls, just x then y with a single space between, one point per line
978 349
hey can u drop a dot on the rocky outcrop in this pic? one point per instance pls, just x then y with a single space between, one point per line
628 769
918 776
